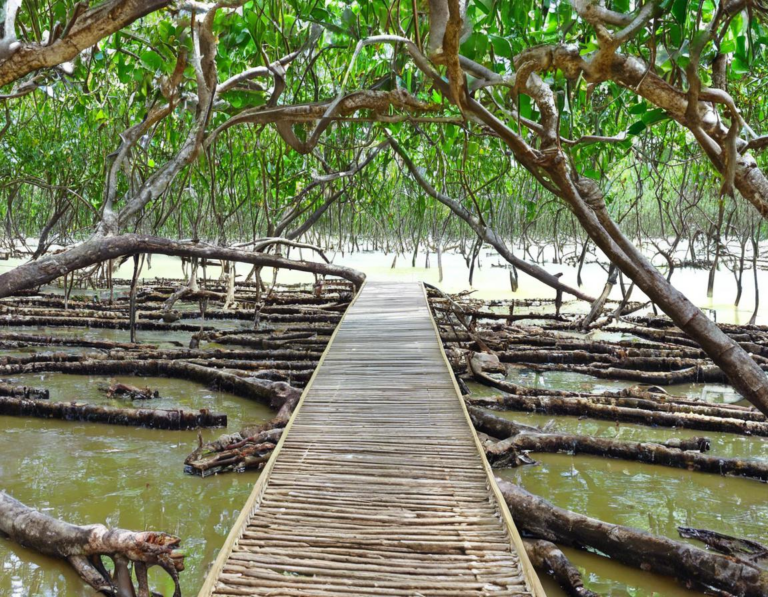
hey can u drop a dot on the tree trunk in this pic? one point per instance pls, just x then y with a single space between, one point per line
100 249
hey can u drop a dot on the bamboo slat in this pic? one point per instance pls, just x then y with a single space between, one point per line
379 486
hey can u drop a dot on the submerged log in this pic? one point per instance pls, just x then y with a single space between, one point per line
85 546
518 440
23 391
725 544
91 413
693 567
123 390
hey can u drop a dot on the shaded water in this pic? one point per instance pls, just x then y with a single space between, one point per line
119 476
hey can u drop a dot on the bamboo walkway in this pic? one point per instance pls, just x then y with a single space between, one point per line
378 487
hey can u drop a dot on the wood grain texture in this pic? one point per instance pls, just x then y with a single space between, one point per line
378 487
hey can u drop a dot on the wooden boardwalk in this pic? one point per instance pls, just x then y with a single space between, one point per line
378 487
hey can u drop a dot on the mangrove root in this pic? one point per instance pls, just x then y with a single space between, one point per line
693 567
85 546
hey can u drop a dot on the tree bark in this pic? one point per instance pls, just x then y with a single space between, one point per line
100 249
91 26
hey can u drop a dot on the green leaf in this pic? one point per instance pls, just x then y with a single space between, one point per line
637 128
654 116
501 46
151 60
680 10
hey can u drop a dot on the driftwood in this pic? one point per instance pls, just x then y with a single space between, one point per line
518 440
123 390
693 567
133 417
85 546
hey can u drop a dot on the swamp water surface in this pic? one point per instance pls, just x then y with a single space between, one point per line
133 478
120 476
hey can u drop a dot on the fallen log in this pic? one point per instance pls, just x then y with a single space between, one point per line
518 441
85 546
658 402
693 567
131 417
112 324
71 341
564 403
278 395
695 374
584 407
546 557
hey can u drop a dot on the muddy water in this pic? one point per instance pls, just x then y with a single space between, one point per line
119 476
653 498
133 478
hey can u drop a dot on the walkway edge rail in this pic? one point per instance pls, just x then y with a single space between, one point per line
514 535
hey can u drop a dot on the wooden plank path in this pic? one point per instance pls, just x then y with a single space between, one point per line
378 487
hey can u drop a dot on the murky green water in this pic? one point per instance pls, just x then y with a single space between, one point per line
133 477
653 498
119 476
